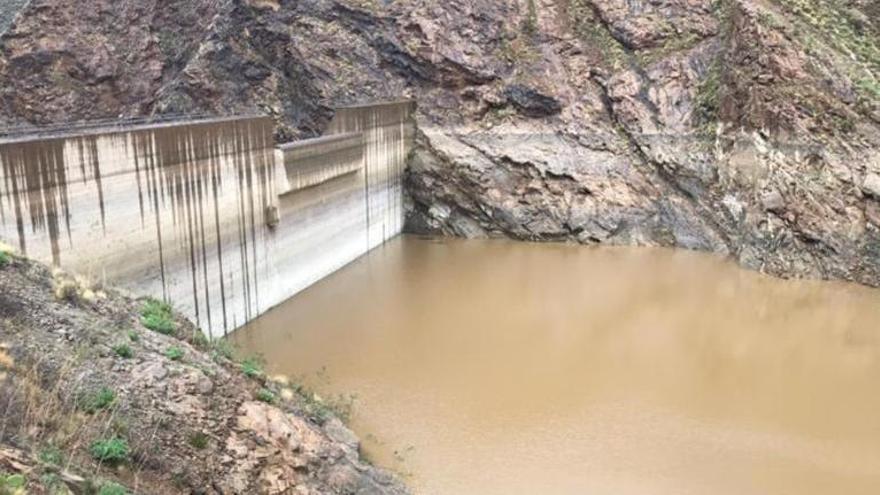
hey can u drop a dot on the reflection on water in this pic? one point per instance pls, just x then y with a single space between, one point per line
494 367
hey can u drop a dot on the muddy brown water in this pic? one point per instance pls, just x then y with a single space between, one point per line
493 367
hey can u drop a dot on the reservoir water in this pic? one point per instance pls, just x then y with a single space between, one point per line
494 367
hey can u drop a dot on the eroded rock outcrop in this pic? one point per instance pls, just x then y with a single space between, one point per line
744 127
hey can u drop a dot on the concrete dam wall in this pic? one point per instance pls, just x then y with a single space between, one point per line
207 214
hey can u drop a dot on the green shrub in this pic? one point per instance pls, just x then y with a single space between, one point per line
4 259
98 400
111 450
133 336
174 353
123 351
266 395
158 316
112 489
12 484
252 367
152 305
51 456
198 440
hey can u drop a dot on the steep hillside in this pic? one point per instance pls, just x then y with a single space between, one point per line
746 127
101 392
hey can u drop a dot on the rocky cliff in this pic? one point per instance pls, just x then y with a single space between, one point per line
744 127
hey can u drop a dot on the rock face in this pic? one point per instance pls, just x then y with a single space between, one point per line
741 127
8 11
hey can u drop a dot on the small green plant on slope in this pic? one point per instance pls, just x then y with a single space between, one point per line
174 353
98 400
252 367
112 489
133 336
51 456
266 395
4 258
110 450
12 484
123 351
198 441
158 316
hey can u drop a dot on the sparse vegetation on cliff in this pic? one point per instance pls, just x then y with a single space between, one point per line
158 316
124 351
174 353
588 25
252 367
266 395
89 414
92 402
709 94
112 451
112 489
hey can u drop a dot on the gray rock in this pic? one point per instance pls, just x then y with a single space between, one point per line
773 201
149 373
8 10
531 102
871 185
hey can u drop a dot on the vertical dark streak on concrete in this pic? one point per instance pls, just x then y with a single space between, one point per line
234 315
35 179
185 182
203 144
240 165
61 180
3 193
147 150
81 152
137 176
96 172
19 220
47 191
249 170
215 174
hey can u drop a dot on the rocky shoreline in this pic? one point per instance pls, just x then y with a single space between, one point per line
96 402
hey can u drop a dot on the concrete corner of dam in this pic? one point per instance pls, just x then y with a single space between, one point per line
209 214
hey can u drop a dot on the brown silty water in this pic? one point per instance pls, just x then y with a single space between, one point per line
493 367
